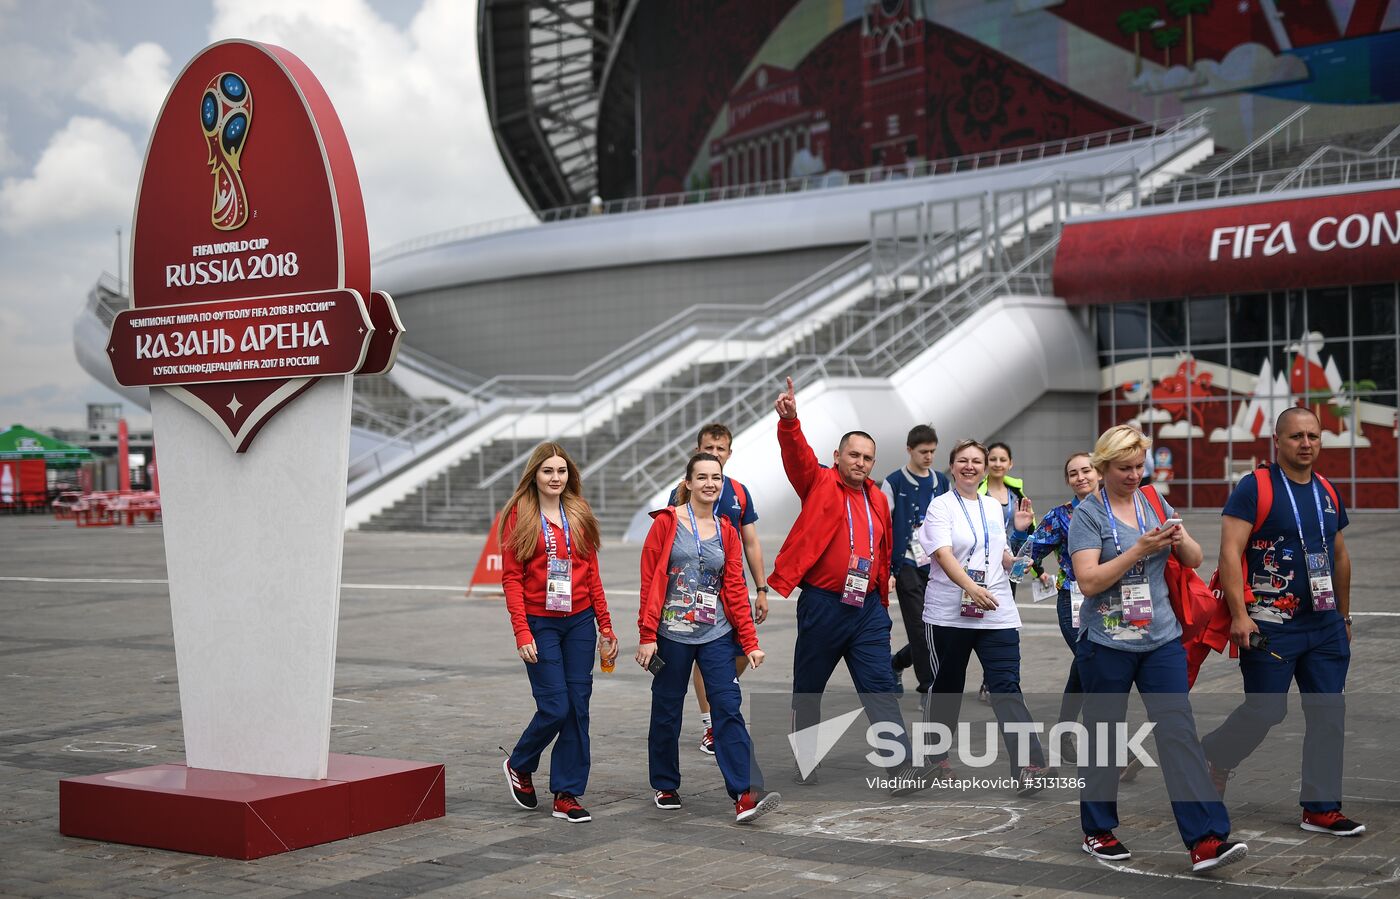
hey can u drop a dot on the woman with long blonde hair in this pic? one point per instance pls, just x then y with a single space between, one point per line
549 570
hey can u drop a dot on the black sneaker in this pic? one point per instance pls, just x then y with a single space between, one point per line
667 799
1131 771
908 780
1213 852
1033 779
566 806
522 788
1106 846
809 780
1333 822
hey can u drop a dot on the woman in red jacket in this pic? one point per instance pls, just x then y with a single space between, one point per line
549 569
695 611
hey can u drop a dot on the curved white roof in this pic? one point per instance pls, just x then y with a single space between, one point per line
822 217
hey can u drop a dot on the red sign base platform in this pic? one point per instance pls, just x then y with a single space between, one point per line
248 816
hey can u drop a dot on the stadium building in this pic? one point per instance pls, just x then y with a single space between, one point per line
1017 219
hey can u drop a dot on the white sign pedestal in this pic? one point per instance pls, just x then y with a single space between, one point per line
253 543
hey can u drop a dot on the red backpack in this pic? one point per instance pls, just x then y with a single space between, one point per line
1203 617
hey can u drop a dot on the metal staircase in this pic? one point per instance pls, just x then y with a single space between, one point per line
928 268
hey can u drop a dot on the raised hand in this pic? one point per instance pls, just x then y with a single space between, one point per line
1024 516
786 404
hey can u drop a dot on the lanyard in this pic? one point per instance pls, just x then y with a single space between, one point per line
869 524
695 532
1113 521
986 538
549 545
1297 520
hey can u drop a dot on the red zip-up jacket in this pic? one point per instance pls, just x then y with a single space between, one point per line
656 558
823 515
524 584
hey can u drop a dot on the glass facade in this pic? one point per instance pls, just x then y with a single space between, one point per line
1205 377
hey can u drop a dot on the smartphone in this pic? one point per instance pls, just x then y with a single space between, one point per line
1170 523
656 664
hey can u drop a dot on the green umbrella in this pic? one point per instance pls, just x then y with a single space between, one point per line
21 443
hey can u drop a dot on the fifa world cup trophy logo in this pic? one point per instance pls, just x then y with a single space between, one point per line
226 112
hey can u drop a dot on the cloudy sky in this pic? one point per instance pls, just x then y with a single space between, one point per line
81 82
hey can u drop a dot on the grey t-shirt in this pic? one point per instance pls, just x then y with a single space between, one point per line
1101 615
683 577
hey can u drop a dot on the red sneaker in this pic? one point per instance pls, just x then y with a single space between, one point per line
566 806
707 741
1213 852
749 806
522 788
1105 846
1333 822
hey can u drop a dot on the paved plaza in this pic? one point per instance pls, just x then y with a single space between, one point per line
89 685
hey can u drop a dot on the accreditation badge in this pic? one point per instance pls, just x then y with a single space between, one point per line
1137 596
966 607
857 581
707 602
1320 583
1076 600
559 587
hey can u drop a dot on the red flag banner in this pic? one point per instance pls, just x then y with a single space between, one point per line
488 565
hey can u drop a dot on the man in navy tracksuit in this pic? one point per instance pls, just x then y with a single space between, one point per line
909 489
1296 565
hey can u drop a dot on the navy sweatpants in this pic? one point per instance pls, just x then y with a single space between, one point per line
1074 688
999 652
1160 676
829 631
562 684
733 749
909 586
1316 657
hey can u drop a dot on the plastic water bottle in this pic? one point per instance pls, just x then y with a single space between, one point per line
606 662
1022 563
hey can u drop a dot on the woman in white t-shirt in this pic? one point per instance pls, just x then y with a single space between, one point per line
968 607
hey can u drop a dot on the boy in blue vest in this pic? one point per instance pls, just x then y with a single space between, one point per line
909 489
735 503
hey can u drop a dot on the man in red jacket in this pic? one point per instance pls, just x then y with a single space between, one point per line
838 553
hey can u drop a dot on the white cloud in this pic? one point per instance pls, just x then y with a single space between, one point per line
1180 430
1246 66
88 171
129 88
411 103
1233 433
8 158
